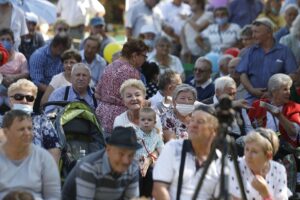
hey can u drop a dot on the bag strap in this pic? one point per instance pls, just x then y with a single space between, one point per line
66 93
181 169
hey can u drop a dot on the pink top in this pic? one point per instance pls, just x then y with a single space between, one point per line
110 102
16 65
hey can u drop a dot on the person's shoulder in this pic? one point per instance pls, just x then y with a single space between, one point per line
235 26
277 166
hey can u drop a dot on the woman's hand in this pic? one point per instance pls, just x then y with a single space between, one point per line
260 184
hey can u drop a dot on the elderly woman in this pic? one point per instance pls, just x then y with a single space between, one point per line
133 93
24 165
278 113
292 40
176 119
68 58
22 95
163 58
262 177
222 34
110 102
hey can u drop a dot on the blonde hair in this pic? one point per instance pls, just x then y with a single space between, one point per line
138 84
148 110
266 138
22 84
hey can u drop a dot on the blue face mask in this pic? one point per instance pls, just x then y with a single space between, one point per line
4 1
6 44
149 43
221 21
26 108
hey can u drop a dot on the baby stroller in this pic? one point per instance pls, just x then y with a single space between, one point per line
79 132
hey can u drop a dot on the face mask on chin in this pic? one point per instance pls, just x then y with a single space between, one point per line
185 109
26 108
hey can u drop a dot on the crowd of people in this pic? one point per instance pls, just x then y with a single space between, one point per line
157 97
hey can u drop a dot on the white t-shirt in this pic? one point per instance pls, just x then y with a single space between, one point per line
221 40
166 170
59 80
123 120
276 179
175 64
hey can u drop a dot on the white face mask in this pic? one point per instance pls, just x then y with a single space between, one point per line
26 108
185 109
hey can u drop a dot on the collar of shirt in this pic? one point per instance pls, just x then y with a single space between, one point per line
203 85
274 48
106 169
89 93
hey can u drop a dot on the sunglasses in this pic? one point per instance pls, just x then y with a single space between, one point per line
19 97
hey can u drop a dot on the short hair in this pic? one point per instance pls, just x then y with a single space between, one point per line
166 78
80 65
224 59
246 31
24 85
221 8
133 46
7 31
148 110
94 38
162 39
138 84
213 120
18 195
184 88
291 6
222 82
62 39
295 29
266 138
205 60
277 81
149 70
202 3
11 115
71 54
59 22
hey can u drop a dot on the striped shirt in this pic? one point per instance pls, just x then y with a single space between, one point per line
96 181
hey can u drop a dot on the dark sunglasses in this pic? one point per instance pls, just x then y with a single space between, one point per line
19 97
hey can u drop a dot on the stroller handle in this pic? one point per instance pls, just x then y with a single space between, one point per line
55 103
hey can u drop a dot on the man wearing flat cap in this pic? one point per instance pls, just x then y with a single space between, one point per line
264 59
108 174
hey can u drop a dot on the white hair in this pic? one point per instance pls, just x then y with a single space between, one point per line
224 59
295 29
278 80
222 82
80 65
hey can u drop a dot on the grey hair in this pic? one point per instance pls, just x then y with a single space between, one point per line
203 59
184 88
163 39
278 80
224 59
222 82
290 6
80 65
295 29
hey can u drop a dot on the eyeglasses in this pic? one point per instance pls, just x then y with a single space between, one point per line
201 70
19 97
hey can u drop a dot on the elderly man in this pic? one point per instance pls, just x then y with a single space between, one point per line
202 131
113 167
91 58
240 90
223 66
201 80
78 91
263 60
23 165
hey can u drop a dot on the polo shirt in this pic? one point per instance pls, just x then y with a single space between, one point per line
166 170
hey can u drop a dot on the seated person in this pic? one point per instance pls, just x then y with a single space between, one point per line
68 58
262 177
78 91
22 95
151 72
284 117
167 83
16 67
24 165
175 120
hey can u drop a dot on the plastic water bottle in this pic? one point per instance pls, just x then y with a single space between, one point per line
81 154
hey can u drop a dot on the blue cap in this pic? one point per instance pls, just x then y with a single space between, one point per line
96 21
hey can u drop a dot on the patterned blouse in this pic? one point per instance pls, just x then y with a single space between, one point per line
110 103
170 122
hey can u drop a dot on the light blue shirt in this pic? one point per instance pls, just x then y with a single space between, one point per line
97 67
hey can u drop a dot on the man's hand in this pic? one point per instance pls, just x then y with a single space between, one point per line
259 92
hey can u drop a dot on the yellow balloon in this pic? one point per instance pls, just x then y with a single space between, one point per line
110 50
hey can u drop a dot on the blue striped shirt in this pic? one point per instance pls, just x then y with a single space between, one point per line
43 65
